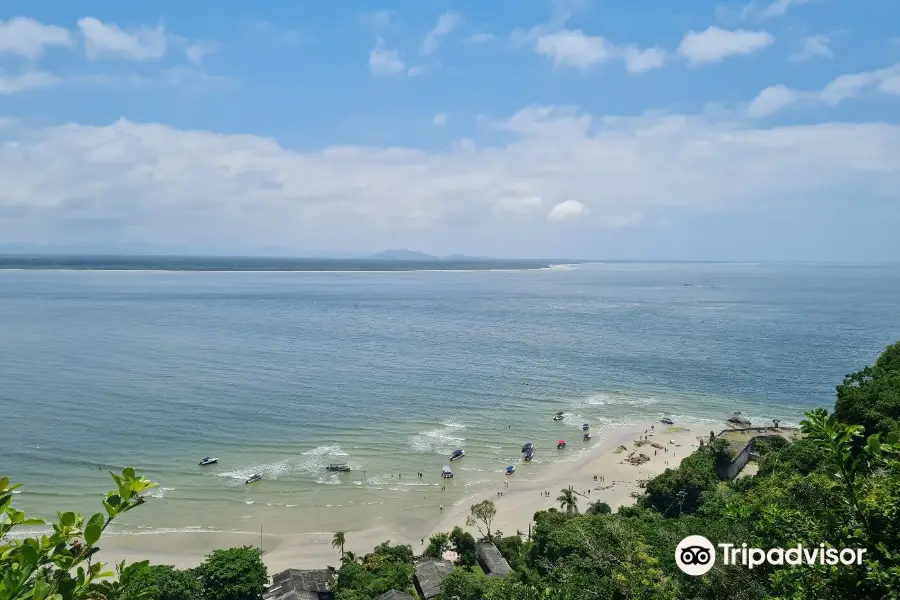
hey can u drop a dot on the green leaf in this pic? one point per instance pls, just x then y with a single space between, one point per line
93 529
4 481
128 472
67 518
41 590
66 587
29 554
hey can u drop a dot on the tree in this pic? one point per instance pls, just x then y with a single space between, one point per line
871 397
437 545
400 553
463 544
568 501
167 582
464 584
598 508
60 565
338 542
481 516
233 574
678 491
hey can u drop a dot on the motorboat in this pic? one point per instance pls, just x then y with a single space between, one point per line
342 467
209 460
529 453
458 453
587 436
446 473
528 446
510 469
666 421
561 444
253 478
559 416
585 427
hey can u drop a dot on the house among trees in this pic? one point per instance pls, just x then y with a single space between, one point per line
296 584
429 574
395 595
491 561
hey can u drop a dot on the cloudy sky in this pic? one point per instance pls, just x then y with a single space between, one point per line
697 129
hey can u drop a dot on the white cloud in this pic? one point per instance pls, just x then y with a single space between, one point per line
574 48
440 119
814 46
152 183
445 25
771 100
28 37
107 39
384 61
638 60
840 89
196 52
34 80
715 44
415 71
778 8
568 209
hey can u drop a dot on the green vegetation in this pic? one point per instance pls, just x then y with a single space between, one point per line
338 542
59 564
839 485
387 567
871 397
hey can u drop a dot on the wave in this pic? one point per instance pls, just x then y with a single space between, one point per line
159 492
441 440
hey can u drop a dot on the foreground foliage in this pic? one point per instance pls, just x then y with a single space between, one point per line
59 564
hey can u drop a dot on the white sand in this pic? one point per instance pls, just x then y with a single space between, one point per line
522 496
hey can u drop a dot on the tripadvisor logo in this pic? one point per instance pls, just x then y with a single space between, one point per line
696 555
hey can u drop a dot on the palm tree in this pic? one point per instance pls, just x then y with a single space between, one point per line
568 502
338 541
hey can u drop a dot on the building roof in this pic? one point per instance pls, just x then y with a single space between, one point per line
395 595
296 584
429 574
491 561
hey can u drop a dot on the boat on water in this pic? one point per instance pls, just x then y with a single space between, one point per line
253 478
510 469
561 444
587 436
585 427
667 421
208 460
458 453
559 416
529 454
342 467
446 473
528 446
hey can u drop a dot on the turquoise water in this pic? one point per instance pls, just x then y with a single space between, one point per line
286 372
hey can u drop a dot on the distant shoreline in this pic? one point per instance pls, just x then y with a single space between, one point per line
248 264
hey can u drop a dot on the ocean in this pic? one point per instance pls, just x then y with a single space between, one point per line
282 372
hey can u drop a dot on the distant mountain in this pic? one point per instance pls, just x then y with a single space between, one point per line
403 254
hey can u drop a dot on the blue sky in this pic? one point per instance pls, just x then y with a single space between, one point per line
692 130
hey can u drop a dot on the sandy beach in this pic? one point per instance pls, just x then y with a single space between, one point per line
517 498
